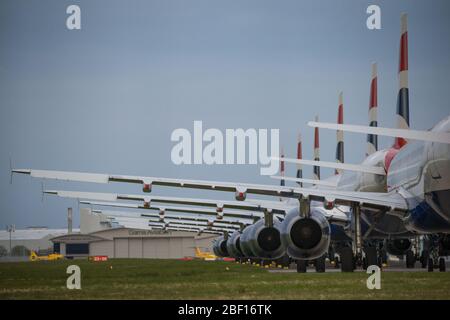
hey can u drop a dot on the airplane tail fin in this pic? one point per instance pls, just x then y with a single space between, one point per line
299 156
372 140
403 94
316 170
340 134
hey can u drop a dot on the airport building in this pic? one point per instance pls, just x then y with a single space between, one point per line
98 237
32 238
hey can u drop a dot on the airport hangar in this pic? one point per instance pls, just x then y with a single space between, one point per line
98 237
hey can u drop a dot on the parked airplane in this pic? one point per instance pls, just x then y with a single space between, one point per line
305 230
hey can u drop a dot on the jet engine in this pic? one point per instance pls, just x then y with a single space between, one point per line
265 240
244 242
220 247
306 237
397 247
233 245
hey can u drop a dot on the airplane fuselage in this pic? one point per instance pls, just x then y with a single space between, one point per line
420 172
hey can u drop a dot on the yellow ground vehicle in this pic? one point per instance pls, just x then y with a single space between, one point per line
204 255
50 257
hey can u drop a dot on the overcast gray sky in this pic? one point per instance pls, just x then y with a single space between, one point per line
107 97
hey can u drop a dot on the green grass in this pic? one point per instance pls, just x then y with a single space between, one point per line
174 279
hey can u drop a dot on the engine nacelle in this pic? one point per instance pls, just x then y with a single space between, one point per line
265 241
306 238
244 242
233 245
221 246
397 247
215 248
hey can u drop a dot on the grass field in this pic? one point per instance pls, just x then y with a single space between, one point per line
174 279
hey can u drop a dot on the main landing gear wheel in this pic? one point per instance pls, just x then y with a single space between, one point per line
441 264
347 263
320 264
364 263
424 258
430 264
301 266
371 257
410 259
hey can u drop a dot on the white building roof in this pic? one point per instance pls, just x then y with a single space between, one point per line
33 233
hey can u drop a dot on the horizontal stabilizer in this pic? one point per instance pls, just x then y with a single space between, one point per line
432 136
337 165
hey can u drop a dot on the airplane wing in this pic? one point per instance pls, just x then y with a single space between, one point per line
253 205
240 189
160 226
336 165
173 217
433 136
231 215
189 229
370 200
175 222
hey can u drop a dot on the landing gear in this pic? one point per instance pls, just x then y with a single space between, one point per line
424 258
333 255
382 258
357 236
370 257
430 264
410 259
441 264
347 262
301 266
437 249
320 264
337 262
